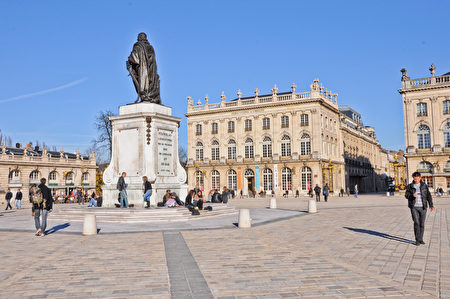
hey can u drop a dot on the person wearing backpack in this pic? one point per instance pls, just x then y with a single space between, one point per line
42 205
8 197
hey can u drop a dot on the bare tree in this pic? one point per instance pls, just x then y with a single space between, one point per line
182 155
103 142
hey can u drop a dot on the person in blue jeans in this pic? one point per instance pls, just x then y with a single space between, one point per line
356 191
18 199
123 190
147 191
92 201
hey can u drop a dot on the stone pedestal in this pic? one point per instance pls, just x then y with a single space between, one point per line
312 206
145 143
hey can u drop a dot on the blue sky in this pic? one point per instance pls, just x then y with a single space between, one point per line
64 61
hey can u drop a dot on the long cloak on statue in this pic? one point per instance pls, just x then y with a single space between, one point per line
143 69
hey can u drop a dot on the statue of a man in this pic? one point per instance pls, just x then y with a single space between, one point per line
142 67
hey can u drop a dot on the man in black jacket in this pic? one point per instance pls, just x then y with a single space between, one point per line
8 197
317 190
43 208
18 199
122 186
419 197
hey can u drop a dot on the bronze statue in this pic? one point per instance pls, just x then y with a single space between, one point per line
141 65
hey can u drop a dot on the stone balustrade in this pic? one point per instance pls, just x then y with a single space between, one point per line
316 92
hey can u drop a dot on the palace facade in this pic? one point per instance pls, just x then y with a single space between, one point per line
426 115
284 141
20 168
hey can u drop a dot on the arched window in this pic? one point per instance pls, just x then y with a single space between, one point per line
34 176
232 179
198 129
199 180
286 178
304 120
447 135
267 147
85 178
305 145
231 149
286 146
423 137
199 151
306 178
215 150
52 176
248 146
14 176
267 179
69 178
249 173
285 121
215 180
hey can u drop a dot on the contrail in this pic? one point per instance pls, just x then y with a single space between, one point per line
37 93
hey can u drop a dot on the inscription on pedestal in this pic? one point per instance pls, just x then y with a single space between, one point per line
165 152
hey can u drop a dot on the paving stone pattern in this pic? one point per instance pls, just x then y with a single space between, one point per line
352 248
186 279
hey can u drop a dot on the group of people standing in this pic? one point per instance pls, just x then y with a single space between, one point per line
18 198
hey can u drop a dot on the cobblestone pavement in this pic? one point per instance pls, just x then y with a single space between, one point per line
351 248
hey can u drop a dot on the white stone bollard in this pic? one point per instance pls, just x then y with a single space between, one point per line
273 203
244 218
312 207
89 225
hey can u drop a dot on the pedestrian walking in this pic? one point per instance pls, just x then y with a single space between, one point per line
225 194
8 197
148 190
42 205
326 189
317 191
356 191
18 199
419 197
122 187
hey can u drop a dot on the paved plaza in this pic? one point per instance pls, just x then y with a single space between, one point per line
352 248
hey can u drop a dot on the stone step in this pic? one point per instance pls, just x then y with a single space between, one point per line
140 215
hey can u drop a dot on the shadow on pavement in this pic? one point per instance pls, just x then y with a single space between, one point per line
383 235
57 228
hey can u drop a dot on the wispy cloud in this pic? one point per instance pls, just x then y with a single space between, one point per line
50 90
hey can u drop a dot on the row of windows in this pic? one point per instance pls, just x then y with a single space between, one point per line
422 108
424 139
34 176
248 124
267 176
249 152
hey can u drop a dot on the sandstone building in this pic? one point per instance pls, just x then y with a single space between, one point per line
283 142
426 114
20 168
